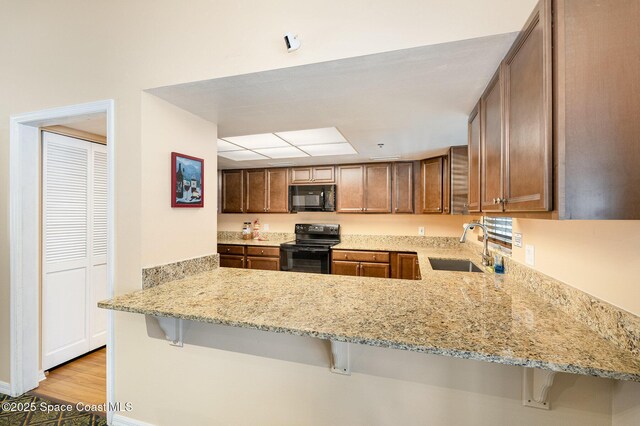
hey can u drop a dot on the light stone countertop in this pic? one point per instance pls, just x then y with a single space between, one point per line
466 315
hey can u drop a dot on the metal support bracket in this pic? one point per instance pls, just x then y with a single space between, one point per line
340 358
536 384
173 329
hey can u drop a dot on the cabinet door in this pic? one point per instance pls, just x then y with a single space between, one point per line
228 261
264 263
403 187
473 203
301 175
528 108
431 185
377 188
491 141
446 184
345 268
232 191
324 174
277 191
406 266
256 189
375 270
459 171
350 197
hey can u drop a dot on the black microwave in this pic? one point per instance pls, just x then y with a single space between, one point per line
312 198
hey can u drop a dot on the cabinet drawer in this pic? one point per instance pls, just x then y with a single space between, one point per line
263 251
228 249
361 256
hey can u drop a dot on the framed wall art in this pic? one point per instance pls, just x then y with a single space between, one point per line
187 181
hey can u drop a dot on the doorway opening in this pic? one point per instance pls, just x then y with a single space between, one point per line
62 250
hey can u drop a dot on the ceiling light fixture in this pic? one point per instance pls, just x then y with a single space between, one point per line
312 136
284 152
330 149
259 141
244 155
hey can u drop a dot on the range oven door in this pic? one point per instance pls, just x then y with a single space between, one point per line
295 258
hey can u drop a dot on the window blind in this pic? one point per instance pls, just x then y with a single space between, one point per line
499 230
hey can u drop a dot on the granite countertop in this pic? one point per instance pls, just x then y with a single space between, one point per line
466 315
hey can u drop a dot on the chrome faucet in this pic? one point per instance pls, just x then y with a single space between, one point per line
486 259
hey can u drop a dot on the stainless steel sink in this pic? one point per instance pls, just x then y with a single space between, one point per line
460 265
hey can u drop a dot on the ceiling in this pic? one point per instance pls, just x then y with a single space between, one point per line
414 101
91 123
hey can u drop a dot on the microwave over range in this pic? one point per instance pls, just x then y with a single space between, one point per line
312 198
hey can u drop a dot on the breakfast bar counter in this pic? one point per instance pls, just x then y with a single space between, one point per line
479 316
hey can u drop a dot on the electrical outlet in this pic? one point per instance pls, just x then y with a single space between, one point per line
265 227
530 255
421 231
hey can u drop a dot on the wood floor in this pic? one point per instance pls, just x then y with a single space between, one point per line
83 379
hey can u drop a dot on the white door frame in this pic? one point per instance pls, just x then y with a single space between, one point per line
24 239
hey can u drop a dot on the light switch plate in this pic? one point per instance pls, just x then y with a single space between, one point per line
517 239
530 255
421 231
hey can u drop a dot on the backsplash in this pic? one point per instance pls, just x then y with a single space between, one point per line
161 274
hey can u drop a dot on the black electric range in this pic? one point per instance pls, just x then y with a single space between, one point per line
311 251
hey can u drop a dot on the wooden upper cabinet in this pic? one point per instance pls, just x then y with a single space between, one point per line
255 189
377 188
459 180
277 191
473 199
528 115
350 197
431 181
232 188
316 174
403 188
491 145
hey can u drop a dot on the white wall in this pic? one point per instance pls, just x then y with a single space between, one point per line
171 234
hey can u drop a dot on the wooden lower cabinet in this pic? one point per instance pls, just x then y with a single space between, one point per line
405 266
375 270
345 268
229 261
264 263
360 263
249 257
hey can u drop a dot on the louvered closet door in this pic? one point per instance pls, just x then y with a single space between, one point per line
73 247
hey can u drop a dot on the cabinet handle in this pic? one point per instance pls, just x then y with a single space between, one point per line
261 251
345 256
228 250
374 257
503 201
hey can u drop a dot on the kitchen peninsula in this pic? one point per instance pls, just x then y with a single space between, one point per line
479 316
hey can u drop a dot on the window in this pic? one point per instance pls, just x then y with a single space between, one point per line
499 231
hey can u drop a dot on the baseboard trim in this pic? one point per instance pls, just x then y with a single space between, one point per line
120 420
5 388
41 376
